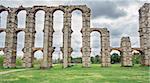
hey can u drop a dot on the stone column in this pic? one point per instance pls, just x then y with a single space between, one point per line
69 58
86 50
70 50
10 43
66 39
144 31
48 36
105 48
126 57
29 40
50 49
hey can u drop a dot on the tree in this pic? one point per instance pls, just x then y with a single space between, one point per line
97 59
92 59
115 58
76 60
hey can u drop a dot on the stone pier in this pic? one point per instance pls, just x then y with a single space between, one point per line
144 31
126 55
10 42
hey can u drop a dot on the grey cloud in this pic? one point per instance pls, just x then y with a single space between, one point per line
106 9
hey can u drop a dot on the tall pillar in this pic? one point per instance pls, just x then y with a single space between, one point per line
10 43
50 49
29 40
69 57
126 55
70 50
86 50
105 48
48 36
66 39
144 31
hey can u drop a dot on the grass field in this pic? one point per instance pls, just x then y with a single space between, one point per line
76 74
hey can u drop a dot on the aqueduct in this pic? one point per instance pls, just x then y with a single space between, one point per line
12 30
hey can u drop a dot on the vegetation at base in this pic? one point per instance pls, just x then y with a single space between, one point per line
95 59
18 60
76 60
136 58
77 74
115 58
1 60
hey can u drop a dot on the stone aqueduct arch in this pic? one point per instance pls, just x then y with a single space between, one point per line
12 30
105 45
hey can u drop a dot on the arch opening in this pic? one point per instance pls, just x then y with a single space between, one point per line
21 18
3 19
76 36
39 26
95 47
38 56
2 38
57 36
136 57
20 46
20 43
1 57
115 56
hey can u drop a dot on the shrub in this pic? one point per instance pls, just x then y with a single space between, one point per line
19 61
95 59
37 61
76 60
1 60
115 58
136 59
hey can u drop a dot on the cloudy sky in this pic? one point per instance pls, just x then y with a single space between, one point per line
119 16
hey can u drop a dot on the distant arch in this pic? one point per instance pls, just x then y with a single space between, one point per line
39 27
21 18
3 19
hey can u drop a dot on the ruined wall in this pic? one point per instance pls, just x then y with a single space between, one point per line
11 35
144 31
105 46
126 55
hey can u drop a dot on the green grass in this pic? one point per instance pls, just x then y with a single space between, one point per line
77 74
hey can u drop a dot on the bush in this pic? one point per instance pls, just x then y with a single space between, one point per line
136 59
95 60
19 61
76 60
37 61
115 58
1 60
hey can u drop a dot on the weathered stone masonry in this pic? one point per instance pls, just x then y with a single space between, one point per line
29 49
126 54
11 35
105 46
144 30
